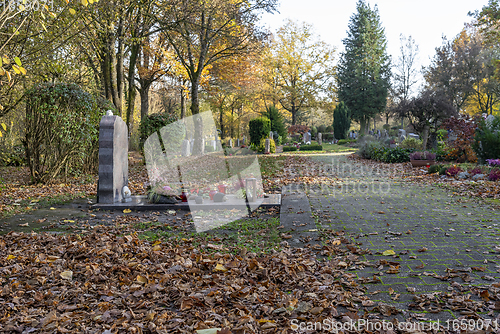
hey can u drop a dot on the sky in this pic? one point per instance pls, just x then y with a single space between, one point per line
425 20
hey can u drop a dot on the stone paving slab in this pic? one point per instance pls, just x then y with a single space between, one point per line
295 215
429 230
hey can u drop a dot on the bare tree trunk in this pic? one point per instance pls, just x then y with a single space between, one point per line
119 67
425 136
198 148
113 73
183 100
144 93
134 50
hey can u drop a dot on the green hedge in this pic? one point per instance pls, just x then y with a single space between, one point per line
259 128
312 147
346 141
289 149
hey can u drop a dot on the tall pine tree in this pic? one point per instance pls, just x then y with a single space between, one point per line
363 72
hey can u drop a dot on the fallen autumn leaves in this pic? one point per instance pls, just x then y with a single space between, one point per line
70 283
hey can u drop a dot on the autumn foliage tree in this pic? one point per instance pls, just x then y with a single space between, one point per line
300 66
209 31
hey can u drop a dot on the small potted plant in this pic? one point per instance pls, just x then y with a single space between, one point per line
421 159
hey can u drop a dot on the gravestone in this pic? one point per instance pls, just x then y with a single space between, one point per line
267 147
243 141
238 142
307 137
489 121
320 138
401 134
271 135
230 144
414 136
113 159
304 138
214 144
185 148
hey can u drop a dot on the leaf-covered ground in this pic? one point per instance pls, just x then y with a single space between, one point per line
152 273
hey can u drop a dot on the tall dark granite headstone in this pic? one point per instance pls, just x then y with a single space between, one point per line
113 159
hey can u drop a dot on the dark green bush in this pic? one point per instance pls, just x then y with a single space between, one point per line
311 147
314 131
259 128
341 121
442 170
289 148
13 157
329 128
346 141
155 122
434 169
328 136
396 155
487 140
369 149
61 130
322 129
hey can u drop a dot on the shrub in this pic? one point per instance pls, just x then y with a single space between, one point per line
434 169
322 129
341 121
276 120
314 131
396 155
289 148
328 136
61 130
493 162
453 170
14 157
443 169
476 171
442 152
463 129
262 146
386 127
259 128
153 123
441 134
413 143
279 140
369 149
329 128
311 147
494 174
346 141
487 140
